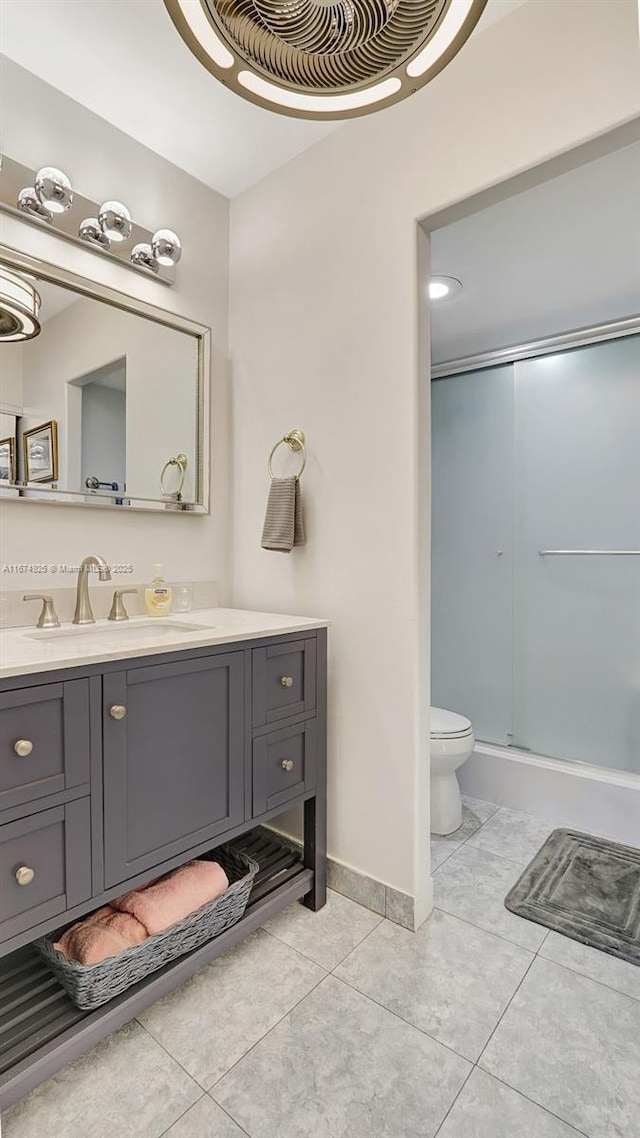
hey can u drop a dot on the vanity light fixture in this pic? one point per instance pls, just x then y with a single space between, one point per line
142 255
114 220
19 307
91 232
108 230
325 59
166 247
441 287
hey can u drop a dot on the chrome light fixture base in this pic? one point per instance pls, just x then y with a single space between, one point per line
142 255
29 202
106 230
325 59
90 231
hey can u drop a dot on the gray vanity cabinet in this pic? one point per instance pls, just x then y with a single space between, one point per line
173 759
117 772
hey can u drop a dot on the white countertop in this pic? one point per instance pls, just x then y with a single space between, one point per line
24 651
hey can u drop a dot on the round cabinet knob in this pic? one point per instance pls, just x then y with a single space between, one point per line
23 747
287 764
25 875
286 681
117 711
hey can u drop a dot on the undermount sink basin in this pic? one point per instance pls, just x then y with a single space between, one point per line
155 629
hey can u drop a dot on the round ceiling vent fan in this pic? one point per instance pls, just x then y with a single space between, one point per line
325 59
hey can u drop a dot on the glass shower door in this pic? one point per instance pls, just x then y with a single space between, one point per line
577 616
472 525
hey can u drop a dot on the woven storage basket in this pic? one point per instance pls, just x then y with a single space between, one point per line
89 986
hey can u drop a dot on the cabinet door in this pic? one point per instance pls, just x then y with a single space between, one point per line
174 763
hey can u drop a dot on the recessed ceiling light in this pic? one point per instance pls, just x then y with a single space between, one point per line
439 287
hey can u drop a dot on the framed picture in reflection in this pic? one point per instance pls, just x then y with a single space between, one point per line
40 446
8 459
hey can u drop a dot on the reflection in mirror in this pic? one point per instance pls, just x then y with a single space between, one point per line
98 404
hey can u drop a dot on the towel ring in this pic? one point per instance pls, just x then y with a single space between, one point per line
181 462
295 440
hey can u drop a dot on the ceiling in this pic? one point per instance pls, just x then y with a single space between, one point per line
563 255
124 60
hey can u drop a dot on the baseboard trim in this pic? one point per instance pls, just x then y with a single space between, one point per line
367 891
600 801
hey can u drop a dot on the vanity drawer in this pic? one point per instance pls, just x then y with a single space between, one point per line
284 681
284 765
44 741
51 853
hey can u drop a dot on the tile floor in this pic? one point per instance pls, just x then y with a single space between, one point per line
343 1025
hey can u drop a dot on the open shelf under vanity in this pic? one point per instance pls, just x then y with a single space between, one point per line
41 1030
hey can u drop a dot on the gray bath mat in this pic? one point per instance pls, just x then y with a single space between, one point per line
585 887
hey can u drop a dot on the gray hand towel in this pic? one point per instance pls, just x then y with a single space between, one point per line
283 524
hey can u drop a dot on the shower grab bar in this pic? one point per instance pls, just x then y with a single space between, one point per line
589 553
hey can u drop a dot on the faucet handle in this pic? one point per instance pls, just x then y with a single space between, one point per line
48 617
118 611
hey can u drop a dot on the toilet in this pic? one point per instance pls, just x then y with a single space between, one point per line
452 743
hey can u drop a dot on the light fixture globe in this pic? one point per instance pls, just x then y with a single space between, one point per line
53 189
89 230
29 202
114 220
19 307
166 246
325 59
142 256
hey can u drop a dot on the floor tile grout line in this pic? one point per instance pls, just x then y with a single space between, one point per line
217 1082
176 1061
342 958
207 1096
516 1090
406 1022
466 1080
482 929
165 1132
224 1111
508 1005
520 866
584 975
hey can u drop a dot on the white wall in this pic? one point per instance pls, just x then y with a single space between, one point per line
43 126
324 335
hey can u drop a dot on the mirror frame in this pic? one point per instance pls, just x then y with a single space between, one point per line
56 274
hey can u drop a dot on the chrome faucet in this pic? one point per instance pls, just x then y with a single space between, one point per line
83 613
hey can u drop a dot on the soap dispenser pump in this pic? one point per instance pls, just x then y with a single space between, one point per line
157 595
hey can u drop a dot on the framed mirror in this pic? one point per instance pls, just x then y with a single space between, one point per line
107 404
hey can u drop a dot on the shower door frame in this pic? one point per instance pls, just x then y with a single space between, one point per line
548 345
565 341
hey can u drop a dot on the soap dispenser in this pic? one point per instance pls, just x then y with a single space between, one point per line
157 595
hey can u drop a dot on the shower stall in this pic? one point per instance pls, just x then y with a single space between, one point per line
536 547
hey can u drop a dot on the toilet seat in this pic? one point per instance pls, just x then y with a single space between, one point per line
449 725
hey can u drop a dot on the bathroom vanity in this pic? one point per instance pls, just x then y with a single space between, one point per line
124 752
